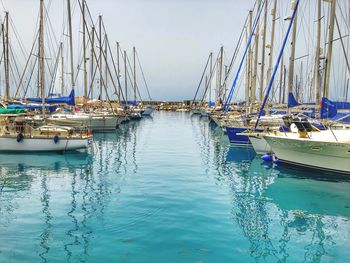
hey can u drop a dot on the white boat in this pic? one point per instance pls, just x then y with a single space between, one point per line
94 121
326 150
148 111
259 143
17 136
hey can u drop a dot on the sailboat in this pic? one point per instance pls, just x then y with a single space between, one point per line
308 146
17 133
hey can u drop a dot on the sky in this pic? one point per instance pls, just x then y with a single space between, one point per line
173 37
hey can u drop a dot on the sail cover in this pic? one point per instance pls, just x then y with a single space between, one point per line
292 102
70 100
329 109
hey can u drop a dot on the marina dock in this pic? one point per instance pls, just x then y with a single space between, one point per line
174 131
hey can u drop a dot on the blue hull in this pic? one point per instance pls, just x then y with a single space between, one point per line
237 140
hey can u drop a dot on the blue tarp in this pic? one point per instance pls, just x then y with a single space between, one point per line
31 107
70 100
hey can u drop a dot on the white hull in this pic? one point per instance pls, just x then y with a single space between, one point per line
103 123
260 145
324 155
96 122
10 144
148 111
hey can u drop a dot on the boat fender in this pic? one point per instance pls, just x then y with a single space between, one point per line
276 160
56 139
19 137
267 158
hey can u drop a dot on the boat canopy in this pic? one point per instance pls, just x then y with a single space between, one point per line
70 100
30 107
11 111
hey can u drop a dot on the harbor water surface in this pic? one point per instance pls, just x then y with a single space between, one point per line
168 189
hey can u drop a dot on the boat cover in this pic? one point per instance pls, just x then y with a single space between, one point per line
11 111
70 100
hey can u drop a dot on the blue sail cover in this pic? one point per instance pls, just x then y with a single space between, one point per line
329 109
292 102
31 107
211 104
132 103
70 100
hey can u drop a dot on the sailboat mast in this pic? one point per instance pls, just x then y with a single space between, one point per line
92 52
106 65
280 100
126 80
7 64
318 54
255 68
248 65
70 43
84 50
134 57
62 69
330 49
100 62
272 44
41 57
210 78
292 55
218 94
263 54
118 72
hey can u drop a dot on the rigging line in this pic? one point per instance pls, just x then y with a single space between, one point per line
48 21
115 71
277 63
14 59
113 63
342 14
132 75
12 71
14 29
143 76
233 59
54 72
244 55
210 78
30 78
94 54
202 77
27 63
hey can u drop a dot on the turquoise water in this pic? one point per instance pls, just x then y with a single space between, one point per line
168 189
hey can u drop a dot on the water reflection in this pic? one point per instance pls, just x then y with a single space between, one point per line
274 206
80 185
83 207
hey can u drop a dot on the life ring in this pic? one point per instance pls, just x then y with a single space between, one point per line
19 137
56 139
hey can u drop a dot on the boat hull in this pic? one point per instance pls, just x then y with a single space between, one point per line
148 111
260 145
10 144
236 136
328 156
103 123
